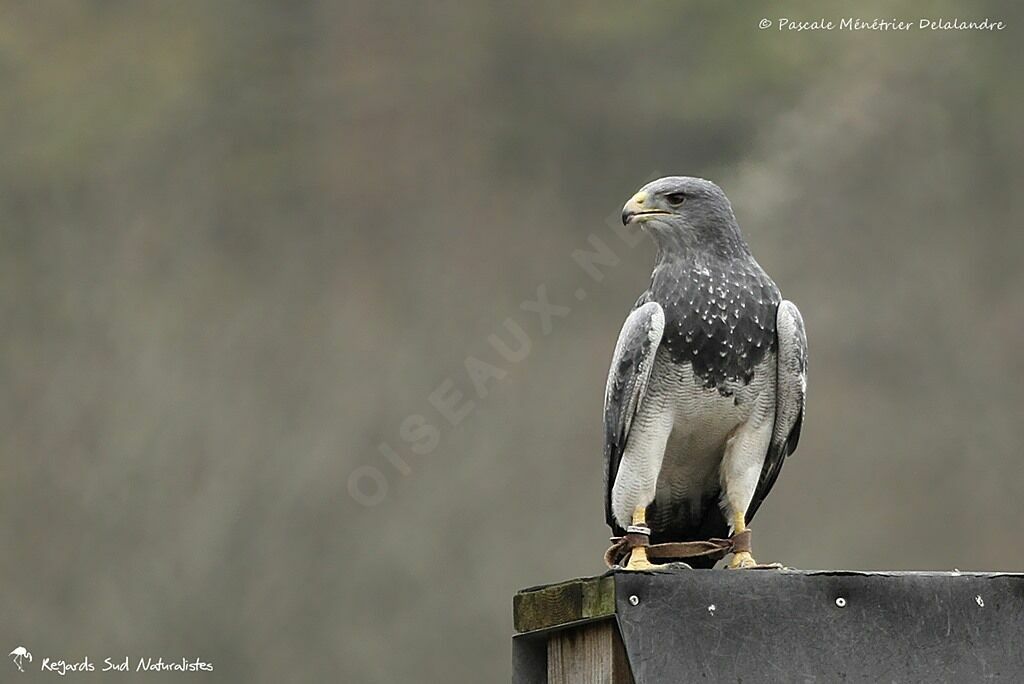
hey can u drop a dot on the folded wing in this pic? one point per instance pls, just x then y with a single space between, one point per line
790 395
627 385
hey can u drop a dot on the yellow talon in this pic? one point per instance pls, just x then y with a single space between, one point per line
638 560
740 559
638 556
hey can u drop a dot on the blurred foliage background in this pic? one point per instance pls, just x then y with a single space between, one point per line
241 242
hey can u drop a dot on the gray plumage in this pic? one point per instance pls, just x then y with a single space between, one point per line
705 395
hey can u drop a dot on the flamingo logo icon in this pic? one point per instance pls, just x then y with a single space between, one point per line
20 655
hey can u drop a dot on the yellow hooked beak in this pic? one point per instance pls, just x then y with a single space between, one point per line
635 209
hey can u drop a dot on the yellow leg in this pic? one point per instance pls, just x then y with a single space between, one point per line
740 559
638 557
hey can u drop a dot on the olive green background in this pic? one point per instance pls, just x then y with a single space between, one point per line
242 243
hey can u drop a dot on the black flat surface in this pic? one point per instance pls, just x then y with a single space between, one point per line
786 626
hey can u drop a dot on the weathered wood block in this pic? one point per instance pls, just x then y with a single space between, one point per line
772 626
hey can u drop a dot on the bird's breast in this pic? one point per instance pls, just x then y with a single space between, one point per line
703 419
709 413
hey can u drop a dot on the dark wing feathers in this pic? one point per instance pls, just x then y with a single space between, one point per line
790 395
627 383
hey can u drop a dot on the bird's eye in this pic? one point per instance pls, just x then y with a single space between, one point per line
676 198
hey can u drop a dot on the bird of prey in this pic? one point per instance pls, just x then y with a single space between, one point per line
705 395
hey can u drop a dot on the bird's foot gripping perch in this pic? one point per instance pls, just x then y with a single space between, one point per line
742 558
638 540
636 546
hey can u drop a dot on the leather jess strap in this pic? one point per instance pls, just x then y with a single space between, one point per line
673 551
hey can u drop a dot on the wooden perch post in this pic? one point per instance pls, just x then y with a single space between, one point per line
766 626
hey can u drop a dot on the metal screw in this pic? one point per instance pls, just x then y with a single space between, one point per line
841 602
634 600
979 601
